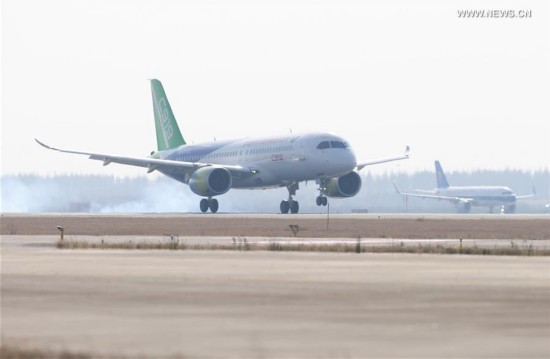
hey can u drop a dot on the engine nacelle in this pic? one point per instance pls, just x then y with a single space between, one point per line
344 186
210 181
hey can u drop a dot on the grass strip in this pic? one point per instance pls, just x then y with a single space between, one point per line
17 352
243 245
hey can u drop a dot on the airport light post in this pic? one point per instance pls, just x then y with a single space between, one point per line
61 230
328 213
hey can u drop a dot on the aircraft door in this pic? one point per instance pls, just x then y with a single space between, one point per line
298 150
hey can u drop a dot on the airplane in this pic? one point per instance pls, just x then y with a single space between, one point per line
213 168
467 197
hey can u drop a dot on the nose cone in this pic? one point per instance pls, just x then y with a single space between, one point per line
331 156
349 159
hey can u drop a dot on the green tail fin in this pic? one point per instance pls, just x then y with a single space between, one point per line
168 132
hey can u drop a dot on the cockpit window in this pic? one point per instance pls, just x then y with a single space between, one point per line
323 145
338 144
332 144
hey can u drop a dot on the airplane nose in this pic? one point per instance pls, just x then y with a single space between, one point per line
339 161
350 160
353 160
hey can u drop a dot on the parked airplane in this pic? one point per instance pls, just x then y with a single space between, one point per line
467 197
213 168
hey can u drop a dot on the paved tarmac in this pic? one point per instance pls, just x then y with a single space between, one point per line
272 305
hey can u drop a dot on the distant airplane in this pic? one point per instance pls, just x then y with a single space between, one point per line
213 168
467 197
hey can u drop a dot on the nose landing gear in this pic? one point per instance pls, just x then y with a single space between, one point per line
321 200
211 203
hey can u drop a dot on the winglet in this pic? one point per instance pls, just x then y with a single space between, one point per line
397 188
533 194
65 151
43 144
55 149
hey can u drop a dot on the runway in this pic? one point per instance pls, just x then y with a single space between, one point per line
160 303
272 305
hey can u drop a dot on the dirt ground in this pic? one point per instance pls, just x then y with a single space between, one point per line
339 226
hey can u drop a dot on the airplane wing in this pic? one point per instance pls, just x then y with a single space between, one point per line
434 196
404 156
528 195
153 164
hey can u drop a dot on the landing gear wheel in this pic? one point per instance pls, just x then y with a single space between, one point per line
285 206
321 201
204 205
290 204
214 205
294 207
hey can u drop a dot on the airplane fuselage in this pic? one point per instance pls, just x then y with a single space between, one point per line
482 196
277 161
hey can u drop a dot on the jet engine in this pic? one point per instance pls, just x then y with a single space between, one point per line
344 186
210 181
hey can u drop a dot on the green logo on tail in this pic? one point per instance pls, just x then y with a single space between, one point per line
168 132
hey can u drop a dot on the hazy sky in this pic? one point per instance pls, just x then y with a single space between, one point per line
473 93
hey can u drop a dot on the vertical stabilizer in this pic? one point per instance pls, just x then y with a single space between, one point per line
168 132
440 176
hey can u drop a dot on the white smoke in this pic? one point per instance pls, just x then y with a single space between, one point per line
108 194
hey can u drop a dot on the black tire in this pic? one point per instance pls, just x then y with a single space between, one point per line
465 208
294 207
325 201
319 201
204 205
214 205
285 206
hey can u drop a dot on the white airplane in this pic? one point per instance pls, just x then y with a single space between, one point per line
467 197
213 168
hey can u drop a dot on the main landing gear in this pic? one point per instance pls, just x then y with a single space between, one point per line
290 204
207 203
